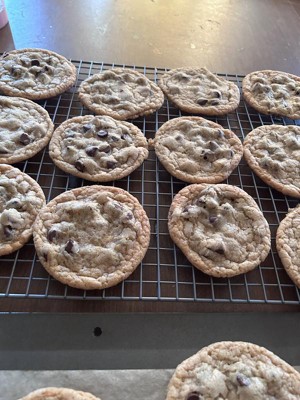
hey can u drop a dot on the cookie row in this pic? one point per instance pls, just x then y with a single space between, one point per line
94 237
222 370
193 149
125 93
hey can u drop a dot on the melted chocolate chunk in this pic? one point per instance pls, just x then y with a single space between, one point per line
243 380
35 62
91 151
7 230
24 139
87 127
69 246
102 133
220 250
193 396
202 102
51 234
111 164
79 165
212 219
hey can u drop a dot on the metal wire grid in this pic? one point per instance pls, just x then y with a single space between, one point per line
165 273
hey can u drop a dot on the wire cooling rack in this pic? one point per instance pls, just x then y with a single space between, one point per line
165 273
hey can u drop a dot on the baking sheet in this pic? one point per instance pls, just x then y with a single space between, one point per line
108 385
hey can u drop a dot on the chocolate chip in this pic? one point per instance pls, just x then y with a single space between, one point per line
243 380
45 257
202 102
91 151
125 136
221 133
105 149
216 94
87 127
179 138
193 396
15 72
111 164
212 219
51 234
24 139
35 62
220 250
297 92
7 230
3 151
69 246
114 138
214 102
102 134
200 202
79 165
129 216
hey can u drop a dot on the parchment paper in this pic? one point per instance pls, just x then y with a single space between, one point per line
108 385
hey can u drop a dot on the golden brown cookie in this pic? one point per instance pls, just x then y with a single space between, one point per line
196 150
54 393
234 370
35 73
25 129
92 237
273 152
199 91
273 92
21 198
288 244
121 94
219 228
98 148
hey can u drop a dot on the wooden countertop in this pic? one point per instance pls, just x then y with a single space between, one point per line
226 36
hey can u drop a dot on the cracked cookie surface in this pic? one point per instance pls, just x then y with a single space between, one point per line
196 150
219 228
197 90
55 393
98 148
121 94
273 152
25 129
288 244
35 73
21 198
92 237
234 371
273 92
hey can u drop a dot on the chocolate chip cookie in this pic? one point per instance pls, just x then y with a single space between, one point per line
54 393
25 129
21 198
98 148
234 370
273 92
121 94
219 228
35 74
196 150
273 152
92 237
288 244
199 91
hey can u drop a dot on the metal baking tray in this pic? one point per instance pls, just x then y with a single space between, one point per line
164 274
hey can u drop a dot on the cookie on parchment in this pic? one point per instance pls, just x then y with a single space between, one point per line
21 198
273 153
273 92
199 91
196 150
288 244
121 94
219 228
98 148
234 370
92 237
52 393
35 73
25 129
